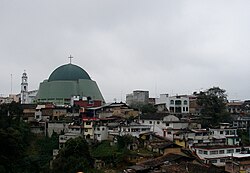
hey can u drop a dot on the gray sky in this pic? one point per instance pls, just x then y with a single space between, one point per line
161 46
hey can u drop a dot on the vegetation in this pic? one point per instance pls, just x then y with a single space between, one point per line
113 156
144 108
21 151
213 106
74 157
244 136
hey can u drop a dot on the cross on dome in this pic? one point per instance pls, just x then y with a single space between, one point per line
70 58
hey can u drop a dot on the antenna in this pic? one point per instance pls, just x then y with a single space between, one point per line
11 83
121 95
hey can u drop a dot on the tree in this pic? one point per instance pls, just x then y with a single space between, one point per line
74 157
144 108
213 106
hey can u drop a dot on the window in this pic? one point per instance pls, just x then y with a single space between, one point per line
214 152
103 129
187 109
185 102
238 150
98 129
183 109
222 160
200 152
200 141
171 102
205 152
150 122
221 132
177 102
169 133
86 130
221 152
230 151
158 122
213 161
88 123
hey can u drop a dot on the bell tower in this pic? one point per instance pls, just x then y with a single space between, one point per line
24 88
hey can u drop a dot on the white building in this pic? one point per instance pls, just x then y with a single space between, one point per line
100 133
26 96
166 125
217 155
133 129
174 104
228 134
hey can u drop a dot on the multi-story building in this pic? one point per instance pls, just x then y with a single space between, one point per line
133 129
174 104
235 107
138 97
229 134
88 127
218 155
204 137
242 122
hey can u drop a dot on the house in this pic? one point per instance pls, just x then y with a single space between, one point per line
225 132
218 154
113 109
88 126
157 121
100 132
235 107
174 104
57 127
156 164
190 167
189 137
29 112
242 122
238 163
133 129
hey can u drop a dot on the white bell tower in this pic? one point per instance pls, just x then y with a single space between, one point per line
24 88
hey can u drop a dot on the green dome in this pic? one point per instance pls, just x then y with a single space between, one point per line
68 72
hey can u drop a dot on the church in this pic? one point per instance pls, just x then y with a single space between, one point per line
66 83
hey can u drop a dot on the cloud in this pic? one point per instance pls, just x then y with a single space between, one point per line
160 46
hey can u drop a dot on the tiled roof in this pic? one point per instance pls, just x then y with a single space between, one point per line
153 116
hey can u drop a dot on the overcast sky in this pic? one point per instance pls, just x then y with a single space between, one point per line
168 46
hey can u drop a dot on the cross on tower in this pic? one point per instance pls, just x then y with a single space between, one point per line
70 57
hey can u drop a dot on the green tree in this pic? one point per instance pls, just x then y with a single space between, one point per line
12 148
74 157
124 141
144 108
213 106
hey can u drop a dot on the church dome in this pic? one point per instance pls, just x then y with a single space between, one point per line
68 72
